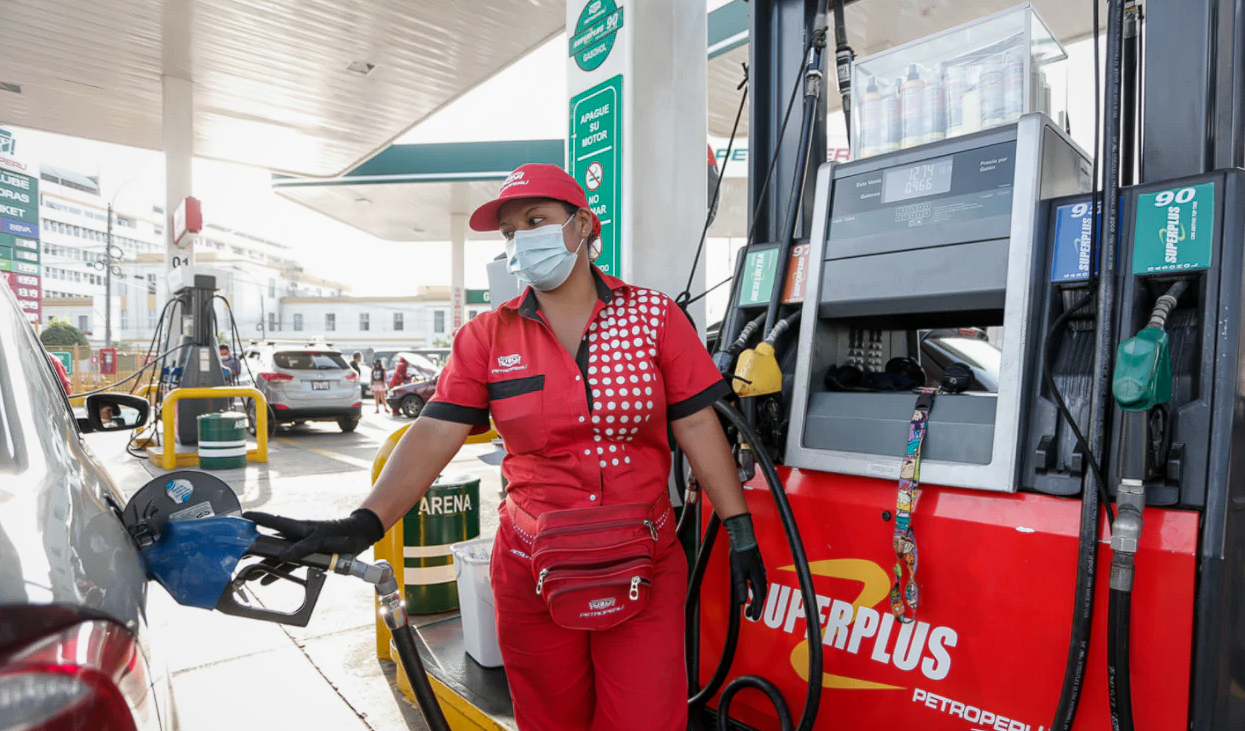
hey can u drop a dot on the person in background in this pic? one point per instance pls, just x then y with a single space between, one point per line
61 374
108 415
356 360
378 386
231 365
399 373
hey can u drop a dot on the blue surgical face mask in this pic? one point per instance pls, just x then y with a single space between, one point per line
539 257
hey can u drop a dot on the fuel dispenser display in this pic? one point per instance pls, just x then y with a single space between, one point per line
908 247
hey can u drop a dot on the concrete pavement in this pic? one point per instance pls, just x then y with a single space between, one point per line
240 674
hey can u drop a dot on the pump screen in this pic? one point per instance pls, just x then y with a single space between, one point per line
928 178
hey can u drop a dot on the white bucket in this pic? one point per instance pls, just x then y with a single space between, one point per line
475 600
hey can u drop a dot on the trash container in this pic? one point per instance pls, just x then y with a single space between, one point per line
449 513
475 597
222 440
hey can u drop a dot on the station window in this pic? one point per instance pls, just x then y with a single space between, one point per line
298 322
272 321
365 321
124 320
438 322
398 321
84 323
151 319
151 284
272 287
330 322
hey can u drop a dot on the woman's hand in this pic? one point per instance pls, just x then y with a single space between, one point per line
747 567
349 536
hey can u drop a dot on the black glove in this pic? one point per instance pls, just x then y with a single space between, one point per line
747 567
350 536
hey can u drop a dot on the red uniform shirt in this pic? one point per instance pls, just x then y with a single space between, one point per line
587 430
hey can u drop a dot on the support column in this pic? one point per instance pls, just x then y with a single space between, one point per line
178 136
638 128
458 290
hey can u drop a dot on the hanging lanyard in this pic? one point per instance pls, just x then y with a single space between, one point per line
909 483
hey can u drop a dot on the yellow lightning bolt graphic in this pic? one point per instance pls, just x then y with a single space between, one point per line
875 584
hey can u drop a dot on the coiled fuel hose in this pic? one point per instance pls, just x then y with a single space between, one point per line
812 700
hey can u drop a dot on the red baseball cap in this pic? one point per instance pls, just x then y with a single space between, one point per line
533 180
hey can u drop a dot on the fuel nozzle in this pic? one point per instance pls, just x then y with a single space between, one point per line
1142 381
1143 365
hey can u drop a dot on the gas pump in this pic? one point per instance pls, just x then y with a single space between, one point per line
1176 381
198 357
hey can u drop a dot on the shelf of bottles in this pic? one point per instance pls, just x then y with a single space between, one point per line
972 77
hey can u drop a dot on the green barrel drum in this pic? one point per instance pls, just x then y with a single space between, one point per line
449 513
222 440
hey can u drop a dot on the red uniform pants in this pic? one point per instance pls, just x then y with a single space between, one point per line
629 678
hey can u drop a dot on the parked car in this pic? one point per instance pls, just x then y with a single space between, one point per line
418 365
75 648
305 384
409 399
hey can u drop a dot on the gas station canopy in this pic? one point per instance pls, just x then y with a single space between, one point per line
310 88
406 192
315 88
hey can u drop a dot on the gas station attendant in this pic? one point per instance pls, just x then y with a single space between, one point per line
582 374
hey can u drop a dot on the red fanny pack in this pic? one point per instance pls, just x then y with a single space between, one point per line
594 566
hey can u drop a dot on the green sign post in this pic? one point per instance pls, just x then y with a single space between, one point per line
1174 229
595 160
595 33
65 357
758 284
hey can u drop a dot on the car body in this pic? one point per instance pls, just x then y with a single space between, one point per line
970 346
306 383
418 365
75 648
409 399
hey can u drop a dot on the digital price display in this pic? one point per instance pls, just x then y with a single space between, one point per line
916 181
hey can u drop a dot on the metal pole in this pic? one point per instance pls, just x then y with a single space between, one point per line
263 317
108 283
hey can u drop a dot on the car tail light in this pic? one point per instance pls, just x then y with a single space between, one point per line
356 405
276 377
280 407
352 376
86 675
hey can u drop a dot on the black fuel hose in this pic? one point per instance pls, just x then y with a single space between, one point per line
843 58
1119 619
782 326
812 699
812 105
408 654
1104 349
702 696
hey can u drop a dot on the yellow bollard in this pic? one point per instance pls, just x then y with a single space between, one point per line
390 547
167 458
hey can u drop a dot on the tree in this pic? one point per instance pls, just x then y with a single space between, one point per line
59 333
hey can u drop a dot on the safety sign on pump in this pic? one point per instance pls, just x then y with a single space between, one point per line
1175 229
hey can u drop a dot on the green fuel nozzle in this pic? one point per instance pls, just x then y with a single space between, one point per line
1143 364
1143 371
